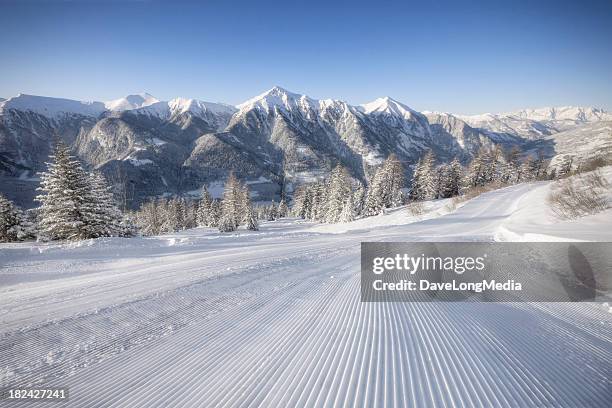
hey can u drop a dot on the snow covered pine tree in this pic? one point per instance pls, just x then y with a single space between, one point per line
385 190
12 222
283 210
424 179
75 205
231 205
205 216
105 219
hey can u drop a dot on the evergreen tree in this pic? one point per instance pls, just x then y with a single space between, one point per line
300 202
283 210
441 180
226 223
374 202
250 219
454 178
566 166
149 219
192 213
423 179
231 205
394 181
104 217
127 226
513 166
205 216
385 190
12 222
348 211
215 216
339 191
498 166
174 215
480 171
181 210
66 202
272 212
359 199
527 170
538 169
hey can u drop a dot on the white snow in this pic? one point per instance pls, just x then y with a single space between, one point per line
389 106
278 97
144 103
259 180
52 108
274 318
139 162
568 115
532 220
374 158
131 102
182 105
391 218
156 141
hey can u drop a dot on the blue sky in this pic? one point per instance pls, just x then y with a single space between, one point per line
463 57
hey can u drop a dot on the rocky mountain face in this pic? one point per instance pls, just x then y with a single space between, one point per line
275 141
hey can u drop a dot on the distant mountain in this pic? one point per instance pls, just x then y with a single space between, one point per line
276 140
52 108
131 102
536 123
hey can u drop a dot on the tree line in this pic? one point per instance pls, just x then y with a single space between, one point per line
342 199
76 204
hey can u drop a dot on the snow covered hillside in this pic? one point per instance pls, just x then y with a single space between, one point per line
274 318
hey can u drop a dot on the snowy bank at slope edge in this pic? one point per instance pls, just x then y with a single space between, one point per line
533 214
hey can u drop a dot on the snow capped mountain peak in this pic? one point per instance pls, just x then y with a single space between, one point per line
279 91
561 113
388 106
131 102
182 105
575 113
278 97
52 107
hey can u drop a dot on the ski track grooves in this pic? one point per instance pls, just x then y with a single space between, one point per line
294 333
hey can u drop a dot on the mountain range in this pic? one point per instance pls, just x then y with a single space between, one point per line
275 141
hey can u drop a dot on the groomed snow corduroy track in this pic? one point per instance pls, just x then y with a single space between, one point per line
275 320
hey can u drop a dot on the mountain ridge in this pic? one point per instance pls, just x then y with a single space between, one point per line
278 139
144 99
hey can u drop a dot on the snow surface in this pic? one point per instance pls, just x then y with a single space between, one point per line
139 162
278 97
55 108
52 108
561 113
131 102
182 105
273 318
177 106
389 106
532 220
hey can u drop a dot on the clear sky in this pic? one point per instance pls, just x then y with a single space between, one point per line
456 56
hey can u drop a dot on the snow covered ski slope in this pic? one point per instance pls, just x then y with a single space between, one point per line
273 318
